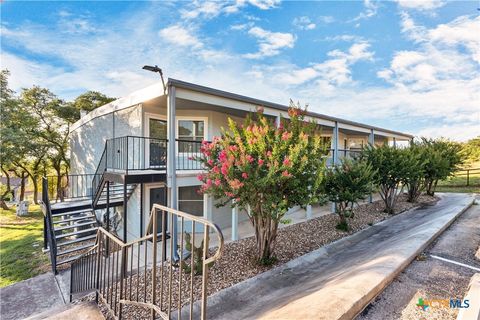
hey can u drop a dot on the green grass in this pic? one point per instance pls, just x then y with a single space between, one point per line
458 183
21 241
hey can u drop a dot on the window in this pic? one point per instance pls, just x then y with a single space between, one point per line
191 130
157 128
188 131
190 201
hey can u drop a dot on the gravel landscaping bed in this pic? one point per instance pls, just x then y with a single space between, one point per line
237 264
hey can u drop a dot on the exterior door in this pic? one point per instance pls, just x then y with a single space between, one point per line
159 196
157 143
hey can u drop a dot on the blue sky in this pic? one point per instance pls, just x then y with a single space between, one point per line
411 66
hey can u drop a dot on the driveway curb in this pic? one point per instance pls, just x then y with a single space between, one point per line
353 312
339 280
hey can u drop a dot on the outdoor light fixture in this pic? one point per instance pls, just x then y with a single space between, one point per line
157 69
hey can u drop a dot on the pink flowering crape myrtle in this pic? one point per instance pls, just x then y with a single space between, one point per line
266 167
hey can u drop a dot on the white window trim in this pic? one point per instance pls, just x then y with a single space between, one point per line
205 199
192 118
148 116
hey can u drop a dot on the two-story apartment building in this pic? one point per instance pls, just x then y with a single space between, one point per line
139 148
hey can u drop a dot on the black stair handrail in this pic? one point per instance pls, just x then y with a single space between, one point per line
48 232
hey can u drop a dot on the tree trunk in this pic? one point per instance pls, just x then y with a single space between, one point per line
22 186
8 190
265 235
35 188
3 205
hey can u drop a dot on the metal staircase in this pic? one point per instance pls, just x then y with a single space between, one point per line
70 226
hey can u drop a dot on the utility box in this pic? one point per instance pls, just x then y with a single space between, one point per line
22 208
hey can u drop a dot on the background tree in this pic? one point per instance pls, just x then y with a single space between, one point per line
34 131
392 168
17 144
471 150
346 184
51 128
444 157
416 159
268 169
89 101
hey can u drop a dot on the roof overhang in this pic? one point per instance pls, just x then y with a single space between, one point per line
244 102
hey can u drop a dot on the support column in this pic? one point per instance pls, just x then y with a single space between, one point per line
394 142
371 141
142 218
125 200
234 223
171 163
309 211
207 207
336 160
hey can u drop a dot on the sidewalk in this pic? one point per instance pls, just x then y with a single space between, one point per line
31 296
339 280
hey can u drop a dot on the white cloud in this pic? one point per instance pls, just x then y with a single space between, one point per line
304 23
345 37
212 9
206 9
329 74
421 4
181 36
262 4
371 8
326 19
433 84
242 26
270 43
461 132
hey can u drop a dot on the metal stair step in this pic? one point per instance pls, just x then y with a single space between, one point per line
71 212
78 248
75 225
69 242
68 260
66 235
74 219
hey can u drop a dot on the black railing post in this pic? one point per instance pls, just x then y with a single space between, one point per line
45 240
107 223
126 157
97 267
44 193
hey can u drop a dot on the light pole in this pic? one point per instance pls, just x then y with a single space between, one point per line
156 69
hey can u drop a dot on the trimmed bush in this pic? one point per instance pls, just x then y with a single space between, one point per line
443 158
346 184
392 168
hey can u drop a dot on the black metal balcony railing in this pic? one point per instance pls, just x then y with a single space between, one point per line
187 151
132 153
70 186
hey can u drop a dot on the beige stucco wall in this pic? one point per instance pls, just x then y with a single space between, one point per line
88 141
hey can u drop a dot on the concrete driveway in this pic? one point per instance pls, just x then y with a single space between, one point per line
431 278
339 280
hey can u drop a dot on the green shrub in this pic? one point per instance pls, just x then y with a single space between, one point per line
391 166
443 158
347 183
196 253
416 159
